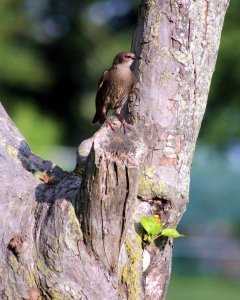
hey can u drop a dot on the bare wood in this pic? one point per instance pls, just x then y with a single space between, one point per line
109 190
42 250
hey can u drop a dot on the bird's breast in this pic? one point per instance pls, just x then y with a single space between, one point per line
118 87
121 78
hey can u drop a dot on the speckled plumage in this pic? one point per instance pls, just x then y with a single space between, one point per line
115 86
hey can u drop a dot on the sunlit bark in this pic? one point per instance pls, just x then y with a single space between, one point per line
77 235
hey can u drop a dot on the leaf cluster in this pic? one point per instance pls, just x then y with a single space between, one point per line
153 229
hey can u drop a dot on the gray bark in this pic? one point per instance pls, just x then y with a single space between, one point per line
77 235
178 41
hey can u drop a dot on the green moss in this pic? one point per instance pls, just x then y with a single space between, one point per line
72 233
147 8
11 151
60 240
165 77
56 296
22 270
149 187
130 272
12 260
163 186
45 271
154 29
179 56
76 231
149 4
30 279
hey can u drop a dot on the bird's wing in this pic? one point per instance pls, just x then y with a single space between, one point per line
101 110
101 91
101 80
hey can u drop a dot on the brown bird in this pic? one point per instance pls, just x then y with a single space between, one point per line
115 86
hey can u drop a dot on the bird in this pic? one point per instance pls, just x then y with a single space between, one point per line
114 86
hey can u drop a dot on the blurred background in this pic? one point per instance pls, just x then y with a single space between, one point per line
52 53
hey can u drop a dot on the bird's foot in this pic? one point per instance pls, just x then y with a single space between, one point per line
123 122
124 125
110 123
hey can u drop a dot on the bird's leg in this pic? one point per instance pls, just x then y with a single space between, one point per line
123 122
110 124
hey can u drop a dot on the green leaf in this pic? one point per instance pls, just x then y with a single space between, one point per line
152 225
171 233
150 239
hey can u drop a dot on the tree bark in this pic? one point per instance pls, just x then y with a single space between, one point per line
178 41
77 235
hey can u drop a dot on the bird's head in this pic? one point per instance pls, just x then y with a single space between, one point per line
124 59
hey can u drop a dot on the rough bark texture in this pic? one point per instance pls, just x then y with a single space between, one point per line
178 41
77 235
108 192
42 250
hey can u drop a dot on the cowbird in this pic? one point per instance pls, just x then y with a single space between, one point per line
115 86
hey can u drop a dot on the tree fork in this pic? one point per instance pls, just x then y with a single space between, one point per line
108 192
45 251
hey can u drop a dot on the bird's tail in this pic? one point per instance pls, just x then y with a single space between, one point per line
98 118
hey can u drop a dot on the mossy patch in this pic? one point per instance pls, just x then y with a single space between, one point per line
130 272
12 152
149 187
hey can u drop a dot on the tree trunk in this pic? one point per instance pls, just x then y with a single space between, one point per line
178 41
77 235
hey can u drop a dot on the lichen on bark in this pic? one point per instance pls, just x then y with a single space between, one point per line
76 235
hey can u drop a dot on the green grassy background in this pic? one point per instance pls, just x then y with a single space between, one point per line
203 288
52 54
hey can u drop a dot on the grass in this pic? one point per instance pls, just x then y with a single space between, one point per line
203 288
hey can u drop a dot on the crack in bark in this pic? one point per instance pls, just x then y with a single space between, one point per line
118 202
171 24
194 79
103 235
124 207
116 172
189 34
106 177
